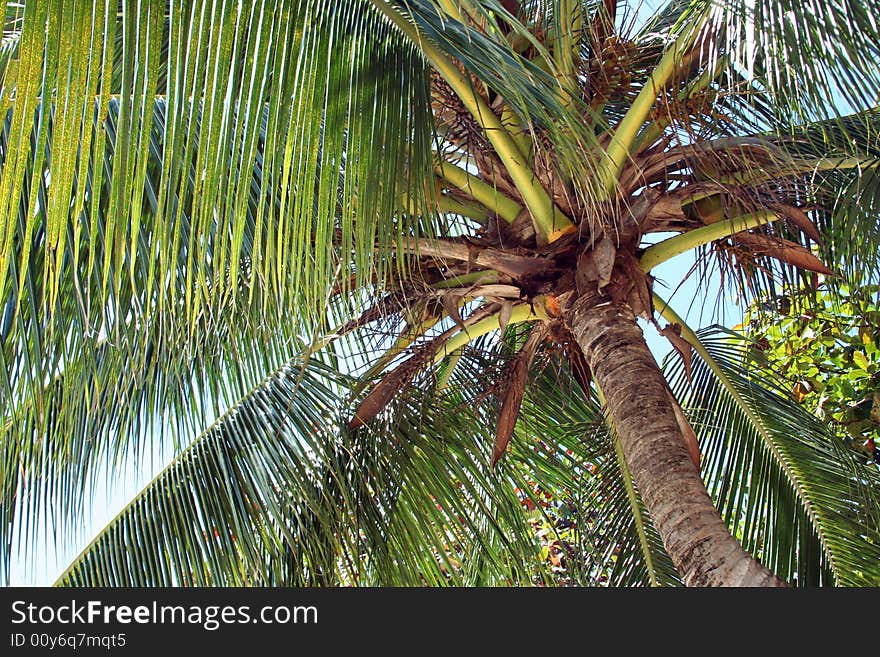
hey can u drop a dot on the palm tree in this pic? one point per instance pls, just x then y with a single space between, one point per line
391 255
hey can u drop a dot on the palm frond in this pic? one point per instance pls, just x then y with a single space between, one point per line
182 187
832 172
790 490
616 542
546 107
236 505
839 162
805 55
275 494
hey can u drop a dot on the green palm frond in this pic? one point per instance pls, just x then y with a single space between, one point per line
222 511
617 543
788 487
835 165
191 201
158 213
805 55
854 238
274 493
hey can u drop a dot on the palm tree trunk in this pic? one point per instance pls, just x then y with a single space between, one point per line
695 536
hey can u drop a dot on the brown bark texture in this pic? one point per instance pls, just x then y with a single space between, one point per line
695 536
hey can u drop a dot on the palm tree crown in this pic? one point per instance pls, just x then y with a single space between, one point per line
391 255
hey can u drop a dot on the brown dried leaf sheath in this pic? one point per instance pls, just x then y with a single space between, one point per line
672 332
579 367
789 252
450 305
800 219
687 431
604 254
384 391
504 314
517 377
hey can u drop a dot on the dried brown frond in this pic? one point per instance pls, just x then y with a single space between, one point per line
516 378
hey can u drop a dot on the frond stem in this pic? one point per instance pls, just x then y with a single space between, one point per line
668 249
482 192
550 222
626 135
798 167
473 278
524 312
654 129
